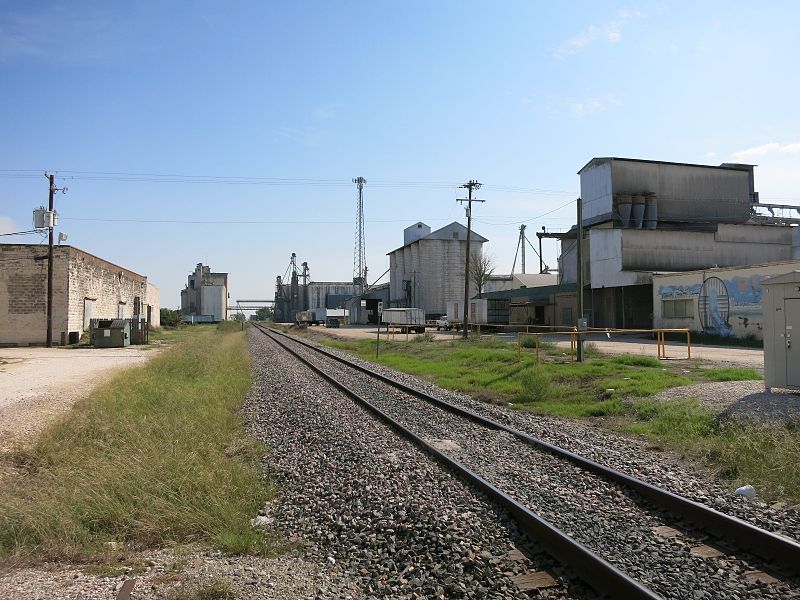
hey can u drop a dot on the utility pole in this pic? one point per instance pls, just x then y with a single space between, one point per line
472 185
522 242
51 226
579 257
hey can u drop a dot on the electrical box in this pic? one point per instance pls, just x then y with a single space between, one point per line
781 305
43 218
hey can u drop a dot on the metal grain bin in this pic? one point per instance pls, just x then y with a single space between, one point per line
114 333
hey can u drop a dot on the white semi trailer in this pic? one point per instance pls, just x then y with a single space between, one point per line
405 319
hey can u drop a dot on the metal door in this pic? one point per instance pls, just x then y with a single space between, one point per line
791 309
87 312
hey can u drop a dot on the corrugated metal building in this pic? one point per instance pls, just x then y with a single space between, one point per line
644 216
428 270
548 305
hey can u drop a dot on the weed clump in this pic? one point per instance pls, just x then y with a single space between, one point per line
536 385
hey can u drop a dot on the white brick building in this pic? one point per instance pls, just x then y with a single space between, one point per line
428 270
84 287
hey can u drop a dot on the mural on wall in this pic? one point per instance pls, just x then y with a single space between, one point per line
724 306
714 307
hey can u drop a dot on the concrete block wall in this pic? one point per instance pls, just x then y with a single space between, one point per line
77 275
153 300
23 293
108 285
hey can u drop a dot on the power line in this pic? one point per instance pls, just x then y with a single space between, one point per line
29 232
128 177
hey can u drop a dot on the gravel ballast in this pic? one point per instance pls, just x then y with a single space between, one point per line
385 519
617 527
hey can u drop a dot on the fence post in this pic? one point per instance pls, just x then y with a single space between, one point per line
537 347
519 349
689 344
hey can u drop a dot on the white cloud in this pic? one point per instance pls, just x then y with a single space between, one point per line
777 176
7 225
790 148
765 149
590 106
609 31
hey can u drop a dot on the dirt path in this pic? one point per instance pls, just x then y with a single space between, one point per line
37 384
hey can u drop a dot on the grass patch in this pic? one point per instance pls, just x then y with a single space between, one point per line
155 456
732 374
618 389
634 360
217 589
766 456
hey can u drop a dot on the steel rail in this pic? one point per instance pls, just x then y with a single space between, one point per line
590 567
771 547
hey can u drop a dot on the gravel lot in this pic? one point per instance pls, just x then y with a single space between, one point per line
37 384
601 515
740 400
164 573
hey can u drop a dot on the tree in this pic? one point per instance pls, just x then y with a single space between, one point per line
264 313
481 268
170 318
239 316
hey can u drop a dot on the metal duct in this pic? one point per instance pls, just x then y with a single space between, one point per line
637 211
624 209
650 211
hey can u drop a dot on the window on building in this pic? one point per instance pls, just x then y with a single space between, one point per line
566 315
677 309
455 235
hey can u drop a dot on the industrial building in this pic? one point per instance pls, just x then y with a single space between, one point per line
301 294
205 297
85 287
428 269
643 216
545 306
725 301
517 281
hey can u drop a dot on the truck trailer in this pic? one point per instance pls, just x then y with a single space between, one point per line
405 319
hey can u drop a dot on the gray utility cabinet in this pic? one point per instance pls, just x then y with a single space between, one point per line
781 304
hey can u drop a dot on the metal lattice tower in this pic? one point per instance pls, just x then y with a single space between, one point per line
360 251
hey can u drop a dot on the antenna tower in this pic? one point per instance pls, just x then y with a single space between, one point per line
360 252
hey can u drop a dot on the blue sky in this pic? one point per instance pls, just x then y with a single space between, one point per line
228 133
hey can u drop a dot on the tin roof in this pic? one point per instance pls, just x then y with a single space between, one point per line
531 294
729 166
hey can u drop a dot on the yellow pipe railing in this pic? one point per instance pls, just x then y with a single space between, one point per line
661 343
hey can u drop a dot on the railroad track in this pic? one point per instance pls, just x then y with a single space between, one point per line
575 508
